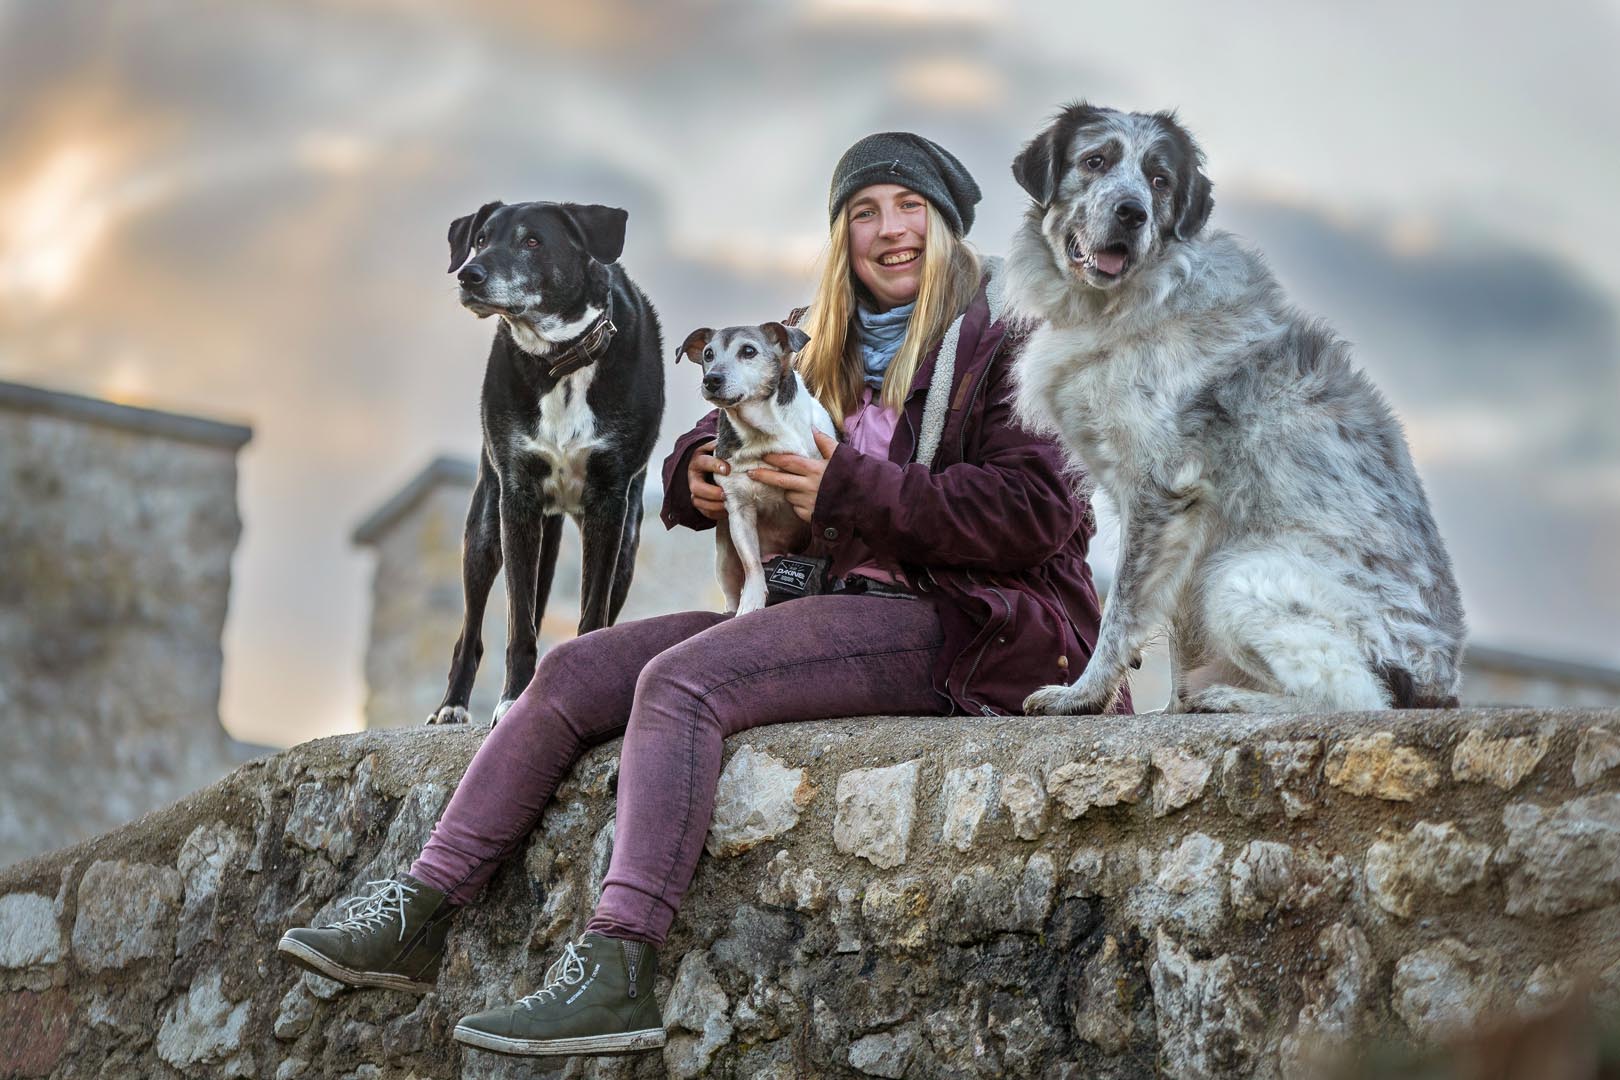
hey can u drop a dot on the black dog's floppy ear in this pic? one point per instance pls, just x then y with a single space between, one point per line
694 345
464 230
789 338
602 228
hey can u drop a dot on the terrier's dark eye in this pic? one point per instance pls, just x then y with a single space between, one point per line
708 354
747 352
1095 162
1161 183
533 241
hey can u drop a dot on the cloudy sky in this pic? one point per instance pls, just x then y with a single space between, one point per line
239 210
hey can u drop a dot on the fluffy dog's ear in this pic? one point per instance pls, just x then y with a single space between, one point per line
1039 167
1193 202
602 228
464 230
788 338
1033 167
694 345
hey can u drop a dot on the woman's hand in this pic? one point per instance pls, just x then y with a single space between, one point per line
707 498
799 477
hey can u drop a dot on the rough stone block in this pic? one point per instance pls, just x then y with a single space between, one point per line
968 796
127 912
1180 780
1104 781
29 931
1373 765
875 811
1500 761
1563 860
1433 859
757 799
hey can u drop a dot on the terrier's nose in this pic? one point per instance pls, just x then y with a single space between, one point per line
713 383
472 275
1131 213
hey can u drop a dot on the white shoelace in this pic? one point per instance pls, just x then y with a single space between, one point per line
568 970
370 910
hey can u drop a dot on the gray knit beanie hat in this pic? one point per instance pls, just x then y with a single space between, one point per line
924 166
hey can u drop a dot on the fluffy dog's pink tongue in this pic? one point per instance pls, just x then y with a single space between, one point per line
1109 262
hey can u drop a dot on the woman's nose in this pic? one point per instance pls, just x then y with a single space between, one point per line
892 225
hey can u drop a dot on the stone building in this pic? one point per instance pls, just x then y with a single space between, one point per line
417 603
117 527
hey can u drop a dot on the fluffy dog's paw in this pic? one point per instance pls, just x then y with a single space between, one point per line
500 711
451 714
1076 700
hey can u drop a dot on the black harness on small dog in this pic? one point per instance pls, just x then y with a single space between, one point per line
588 347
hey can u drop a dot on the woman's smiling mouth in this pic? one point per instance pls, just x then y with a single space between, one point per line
899 258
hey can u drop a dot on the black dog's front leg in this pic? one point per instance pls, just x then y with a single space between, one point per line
601 529
522 520
480 562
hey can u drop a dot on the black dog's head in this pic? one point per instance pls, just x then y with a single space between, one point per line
540 262
1112 190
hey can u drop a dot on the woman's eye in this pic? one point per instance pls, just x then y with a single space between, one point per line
911 205
859 214
1161 183
532 241
1095 162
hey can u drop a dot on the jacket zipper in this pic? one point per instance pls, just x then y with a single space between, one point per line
989 635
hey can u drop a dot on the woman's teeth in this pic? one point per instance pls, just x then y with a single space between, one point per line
898 258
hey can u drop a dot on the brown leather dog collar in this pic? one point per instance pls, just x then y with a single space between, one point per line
587 348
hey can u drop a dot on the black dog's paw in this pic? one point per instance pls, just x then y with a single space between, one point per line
451 714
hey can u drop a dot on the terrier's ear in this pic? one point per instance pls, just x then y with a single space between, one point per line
602 228
464 230
788 338
692 348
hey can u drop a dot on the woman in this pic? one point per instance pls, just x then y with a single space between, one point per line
957 582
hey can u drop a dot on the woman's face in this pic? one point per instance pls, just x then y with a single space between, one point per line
888 225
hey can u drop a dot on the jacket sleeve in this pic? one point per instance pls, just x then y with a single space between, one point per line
678 508
1010 510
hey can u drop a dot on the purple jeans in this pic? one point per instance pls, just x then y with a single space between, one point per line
674 686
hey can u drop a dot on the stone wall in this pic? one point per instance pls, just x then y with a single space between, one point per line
1054 898
416 595
115 567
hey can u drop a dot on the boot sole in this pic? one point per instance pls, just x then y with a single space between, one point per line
307 958
624 1042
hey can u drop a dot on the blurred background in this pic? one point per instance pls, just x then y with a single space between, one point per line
237 212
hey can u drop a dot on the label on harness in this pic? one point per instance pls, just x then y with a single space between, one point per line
788 577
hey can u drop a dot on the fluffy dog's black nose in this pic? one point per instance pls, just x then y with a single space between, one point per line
713 383
1131 213
472 275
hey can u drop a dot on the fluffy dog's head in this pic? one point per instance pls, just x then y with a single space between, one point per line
1113 190
745 363
540 262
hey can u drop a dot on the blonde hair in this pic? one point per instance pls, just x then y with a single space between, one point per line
831 362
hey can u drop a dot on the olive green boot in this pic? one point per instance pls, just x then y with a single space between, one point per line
597 999
392 937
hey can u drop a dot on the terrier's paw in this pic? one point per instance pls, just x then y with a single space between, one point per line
451 714
500 711
751 601
1077 700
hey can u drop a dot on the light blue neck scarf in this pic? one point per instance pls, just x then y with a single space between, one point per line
882 333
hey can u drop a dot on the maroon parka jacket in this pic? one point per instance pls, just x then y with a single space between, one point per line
991 532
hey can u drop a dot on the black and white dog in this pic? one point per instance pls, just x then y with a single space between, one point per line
765 408
573 395
1271 514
